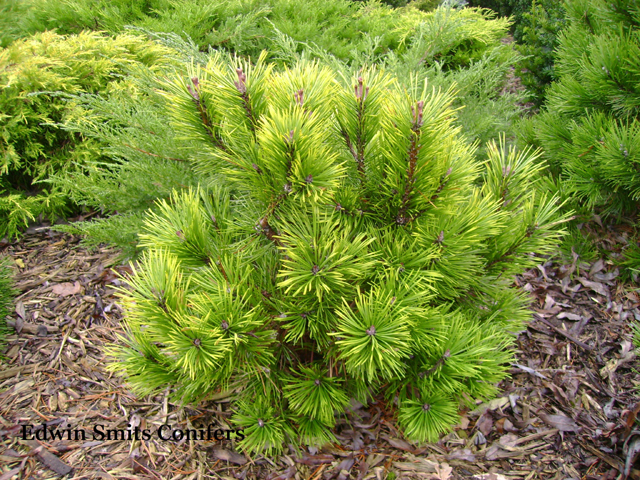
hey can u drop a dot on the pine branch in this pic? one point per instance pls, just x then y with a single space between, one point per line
361 97
414 150
441 361
246 102
211 131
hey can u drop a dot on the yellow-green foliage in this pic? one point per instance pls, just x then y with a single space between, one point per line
38 78
343 28
7 292
452 37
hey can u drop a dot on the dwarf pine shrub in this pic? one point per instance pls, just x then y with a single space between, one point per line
350 247
38 77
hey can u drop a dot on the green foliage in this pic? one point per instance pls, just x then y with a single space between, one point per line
590 129
349 246
536 26
39 76
504 8
146 159
141 160
341 27
244 27
537 36
7 293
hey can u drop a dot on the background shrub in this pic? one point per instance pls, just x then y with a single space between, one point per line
589 128
39 77
7 294
537 37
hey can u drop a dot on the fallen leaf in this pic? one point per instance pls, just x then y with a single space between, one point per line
597 287
596 267
66 289
20 310
10 473
229 456
529 370
562 423
464 454
632 450
19 325
443 472
316 459
421 465
399 444
509 440
607 277
569 316
485 424
549 302
289 473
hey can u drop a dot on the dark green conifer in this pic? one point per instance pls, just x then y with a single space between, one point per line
589 130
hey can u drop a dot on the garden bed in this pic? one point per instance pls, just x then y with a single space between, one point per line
568 410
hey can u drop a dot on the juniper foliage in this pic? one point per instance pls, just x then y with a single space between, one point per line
7 294
351 246
39 77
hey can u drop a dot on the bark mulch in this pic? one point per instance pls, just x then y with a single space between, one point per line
567 412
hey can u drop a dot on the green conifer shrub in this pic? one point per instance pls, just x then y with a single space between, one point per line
341 27
7 294
536 26
537 36
589 129
38 76
148 159
351 246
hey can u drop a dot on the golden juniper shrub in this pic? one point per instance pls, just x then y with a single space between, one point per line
38 78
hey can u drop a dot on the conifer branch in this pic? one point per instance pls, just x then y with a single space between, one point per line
441 361
361 96
241 85
414 150
349 144
213 134
154 154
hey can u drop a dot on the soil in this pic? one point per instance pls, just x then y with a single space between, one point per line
567 412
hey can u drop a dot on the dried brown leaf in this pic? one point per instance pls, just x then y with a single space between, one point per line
229 456
597 287
67 288
561 422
